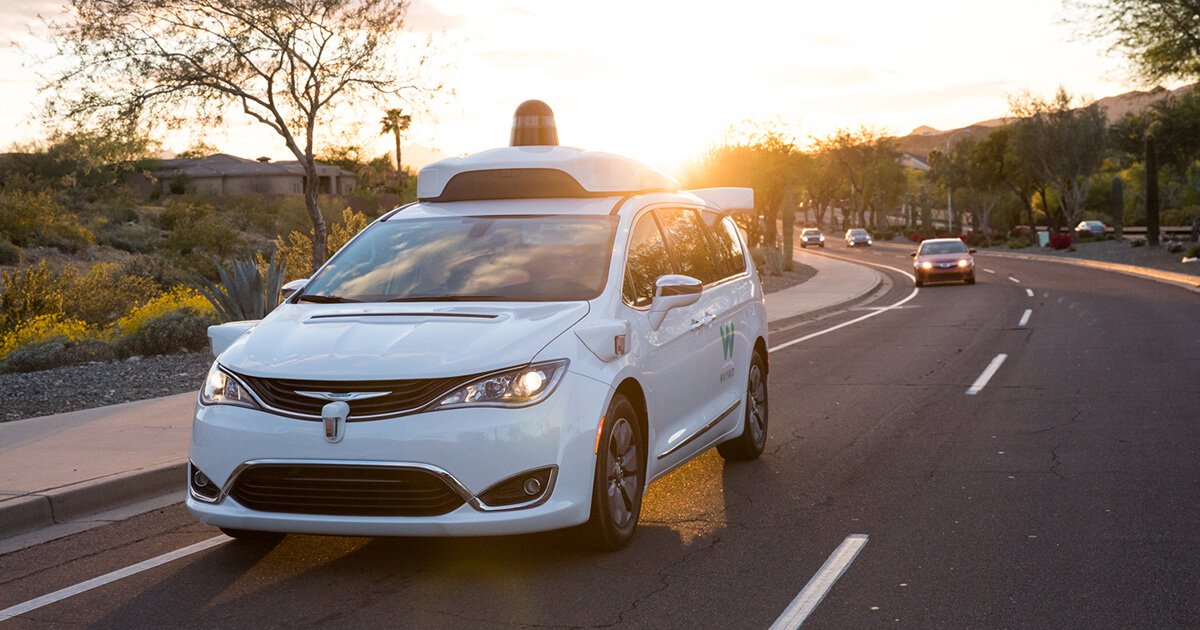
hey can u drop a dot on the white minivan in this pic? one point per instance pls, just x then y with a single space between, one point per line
545 332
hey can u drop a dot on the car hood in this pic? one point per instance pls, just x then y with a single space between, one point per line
943 257
397 341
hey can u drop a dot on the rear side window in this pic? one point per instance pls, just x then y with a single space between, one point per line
728 252
685 236
647 260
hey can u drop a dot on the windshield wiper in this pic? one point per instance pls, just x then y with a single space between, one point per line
325 299
455 298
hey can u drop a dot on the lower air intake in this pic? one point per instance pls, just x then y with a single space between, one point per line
337 490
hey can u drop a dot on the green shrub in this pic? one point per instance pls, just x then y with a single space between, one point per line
104 294
183 329
1019 242
28 293
176 299
56 352
1193 252
29 218
296 251
156 268
134 238
10 254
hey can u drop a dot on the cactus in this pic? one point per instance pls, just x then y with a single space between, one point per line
244 292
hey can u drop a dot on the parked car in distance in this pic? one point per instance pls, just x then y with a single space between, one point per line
812 236
1093 228
856 237
943 259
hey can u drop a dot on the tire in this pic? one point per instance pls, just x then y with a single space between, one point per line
749 445
253 536
920 282
822 245
803 246
619 480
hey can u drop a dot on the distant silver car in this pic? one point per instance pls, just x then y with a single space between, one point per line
812 236
856 237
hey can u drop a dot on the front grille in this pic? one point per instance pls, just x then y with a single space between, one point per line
339 490
402 396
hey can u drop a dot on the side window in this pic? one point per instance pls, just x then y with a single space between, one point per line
729 247
646 261
685 234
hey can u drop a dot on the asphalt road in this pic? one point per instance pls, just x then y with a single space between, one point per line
1063 494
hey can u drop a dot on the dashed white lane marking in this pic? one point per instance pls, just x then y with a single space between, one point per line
988 271
108 578
1029 292
1025 318
987 375
881 310
1014 280
806 601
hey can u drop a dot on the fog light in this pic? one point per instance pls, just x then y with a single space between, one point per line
527 489
200 480
200 487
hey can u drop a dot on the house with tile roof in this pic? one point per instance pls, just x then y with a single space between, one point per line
223 174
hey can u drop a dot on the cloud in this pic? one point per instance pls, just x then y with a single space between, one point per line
423 17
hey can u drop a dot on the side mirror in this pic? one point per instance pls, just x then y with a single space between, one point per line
913 255
672 291
222 336
971 251
288 289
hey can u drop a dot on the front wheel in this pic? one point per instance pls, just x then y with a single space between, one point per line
749 445
619 480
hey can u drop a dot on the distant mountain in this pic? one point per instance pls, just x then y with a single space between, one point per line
924 139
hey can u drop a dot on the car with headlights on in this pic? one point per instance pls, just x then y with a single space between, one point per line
813 237
943 260
525 348
858 237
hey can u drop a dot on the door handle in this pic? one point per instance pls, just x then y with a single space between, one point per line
703 320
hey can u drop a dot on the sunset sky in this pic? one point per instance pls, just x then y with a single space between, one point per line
662 80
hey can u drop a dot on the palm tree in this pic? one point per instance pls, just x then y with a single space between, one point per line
396 122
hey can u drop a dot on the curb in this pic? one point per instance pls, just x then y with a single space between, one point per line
787 322
61 505
1182 280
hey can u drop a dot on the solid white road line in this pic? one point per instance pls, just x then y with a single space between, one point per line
820 584
1014 280
881 310
83 587
987 375
1029 292
988 271
1025 318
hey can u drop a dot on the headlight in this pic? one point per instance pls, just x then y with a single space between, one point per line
964 263
927 265
519 387
222 389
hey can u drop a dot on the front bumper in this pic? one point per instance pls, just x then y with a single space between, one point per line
945 274
470 449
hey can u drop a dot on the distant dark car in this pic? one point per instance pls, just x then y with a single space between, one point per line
858 237
943 259
1092 228
812 236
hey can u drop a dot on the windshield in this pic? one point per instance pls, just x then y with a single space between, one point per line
951 247
496 258
812 232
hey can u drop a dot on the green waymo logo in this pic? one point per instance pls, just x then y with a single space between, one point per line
727 340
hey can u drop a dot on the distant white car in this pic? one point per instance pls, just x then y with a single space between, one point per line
811 236
1094 228
525 348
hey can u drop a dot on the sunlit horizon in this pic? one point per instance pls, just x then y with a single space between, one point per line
664 81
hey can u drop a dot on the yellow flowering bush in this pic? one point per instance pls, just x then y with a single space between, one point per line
41 328
178 298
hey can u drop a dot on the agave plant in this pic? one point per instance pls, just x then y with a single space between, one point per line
244 292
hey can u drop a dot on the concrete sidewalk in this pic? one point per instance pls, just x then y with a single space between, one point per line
65 468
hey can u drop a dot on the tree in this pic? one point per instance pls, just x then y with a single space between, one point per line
1160 37
396 122
288 64
864 159
1062 145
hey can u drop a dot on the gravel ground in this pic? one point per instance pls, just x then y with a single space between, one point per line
75 387
1121 252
